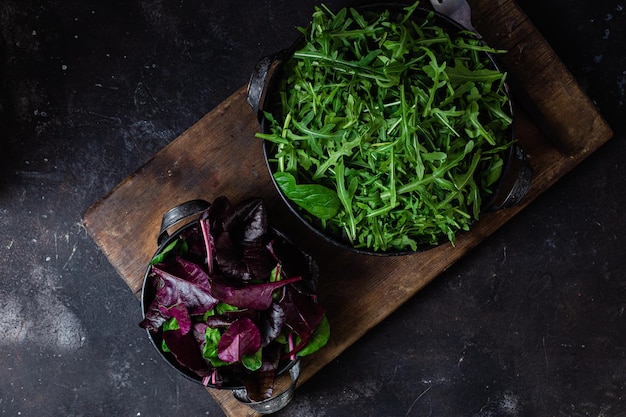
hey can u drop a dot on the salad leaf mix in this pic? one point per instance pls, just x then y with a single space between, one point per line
387 130
234 300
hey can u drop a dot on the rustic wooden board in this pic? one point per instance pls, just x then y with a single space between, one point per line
219 155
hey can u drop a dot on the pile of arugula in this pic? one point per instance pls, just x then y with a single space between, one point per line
234 300
388 131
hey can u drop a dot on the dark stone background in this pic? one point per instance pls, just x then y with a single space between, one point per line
530 323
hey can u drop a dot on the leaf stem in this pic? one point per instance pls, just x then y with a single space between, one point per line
208 241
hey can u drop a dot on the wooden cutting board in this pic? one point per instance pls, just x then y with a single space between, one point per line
219 155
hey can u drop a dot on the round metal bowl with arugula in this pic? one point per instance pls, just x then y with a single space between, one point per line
387 130
230 302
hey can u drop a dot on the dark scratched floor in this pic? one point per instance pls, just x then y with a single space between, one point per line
530 323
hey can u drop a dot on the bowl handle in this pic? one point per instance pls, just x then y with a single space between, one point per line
517 181
178 213
274 403
259 81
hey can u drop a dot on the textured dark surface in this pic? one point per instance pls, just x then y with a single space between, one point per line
529 323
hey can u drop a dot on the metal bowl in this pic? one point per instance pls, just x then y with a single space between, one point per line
264 84
171 220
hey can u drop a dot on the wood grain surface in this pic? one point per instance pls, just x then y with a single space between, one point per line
220 155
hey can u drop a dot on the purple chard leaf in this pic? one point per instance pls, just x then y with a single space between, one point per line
253 296
241 338
271 323
196 296
185 348
172 290
239 241
247 221
302 315
180 313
